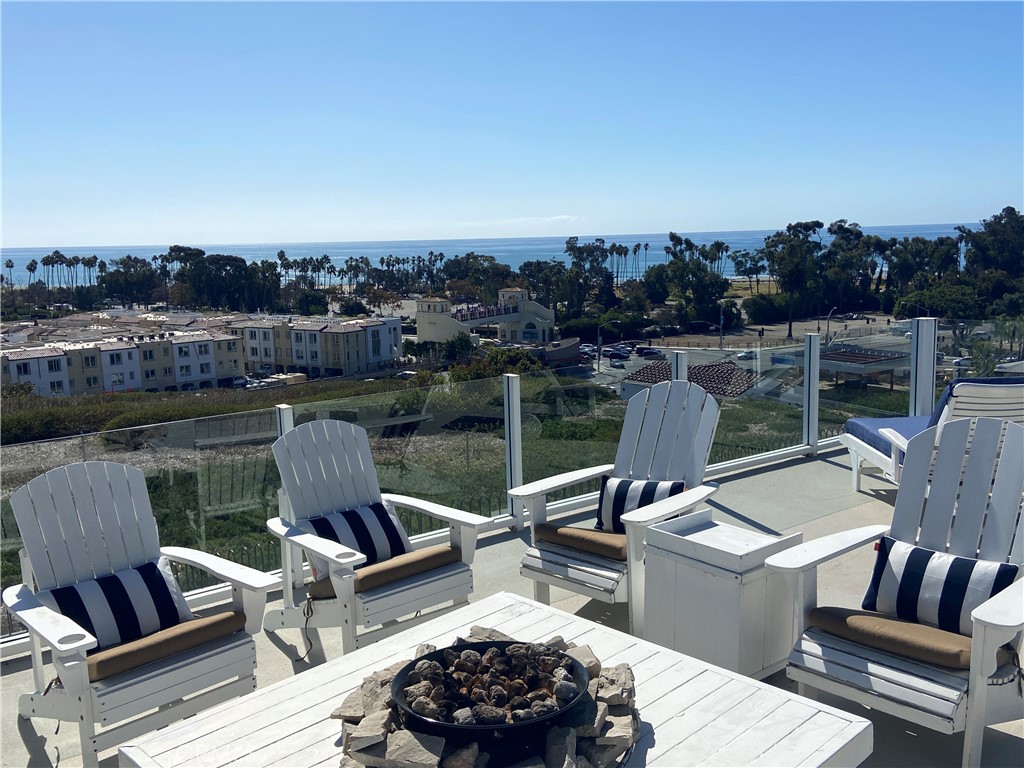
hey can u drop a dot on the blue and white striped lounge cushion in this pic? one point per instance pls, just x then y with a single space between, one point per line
122 606
921 585
619 496
373 530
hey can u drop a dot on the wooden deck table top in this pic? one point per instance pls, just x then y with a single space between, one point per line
692 713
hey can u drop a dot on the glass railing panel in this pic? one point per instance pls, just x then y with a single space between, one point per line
985 348
443 443
571 421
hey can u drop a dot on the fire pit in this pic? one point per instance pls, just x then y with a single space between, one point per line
489 691
429 713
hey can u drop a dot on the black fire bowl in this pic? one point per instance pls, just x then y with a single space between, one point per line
509 742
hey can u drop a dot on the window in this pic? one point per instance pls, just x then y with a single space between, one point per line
204 368
232 346
298 338
89 361
184 352
184 370
131 355
24 369
168 371
375 342
167 351
513 337
266 335
313 355
147 354
254 351
232 365
252 335
71 383
117 379
131 375
56 387
54 366
312 338
150 373
92 381
203 349
266 352
298 354
115 358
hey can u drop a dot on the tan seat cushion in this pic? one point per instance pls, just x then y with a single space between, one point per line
904 638
160 645
397 568
603 543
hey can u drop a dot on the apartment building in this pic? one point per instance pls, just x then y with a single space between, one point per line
194 361
85 368
120 365
229 357
155 354
45 368
307 354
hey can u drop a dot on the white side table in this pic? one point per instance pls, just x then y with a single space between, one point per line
709 595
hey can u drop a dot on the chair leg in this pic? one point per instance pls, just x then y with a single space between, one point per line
87 735
542 592
974 732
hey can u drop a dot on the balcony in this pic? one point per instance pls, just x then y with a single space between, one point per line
214 482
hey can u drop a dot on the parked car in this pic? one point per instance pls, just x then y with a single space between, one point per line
747 354
405 374
962 362
239 381
615 354
648 351
617 364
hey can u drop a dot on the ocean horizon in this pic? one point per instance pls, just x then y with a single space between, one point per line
513 251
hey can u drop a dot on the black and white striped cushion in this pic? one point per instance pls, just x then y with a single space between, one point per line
934 588
619 496
123 606
374 530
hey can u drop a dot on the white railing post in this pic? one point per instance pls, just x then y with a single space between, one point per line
812 371
285 419
679 372
923 334
513 439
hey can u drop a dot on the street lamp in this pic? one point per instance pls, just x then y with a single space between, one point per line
827 320
602 325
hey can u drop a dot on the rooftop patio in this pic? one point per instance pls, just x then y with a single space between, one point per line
453 446
811 495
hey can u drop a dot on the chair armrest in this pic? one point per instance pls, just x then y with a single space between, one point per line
62 634
556 482
1003 611
235 573
439 511
671 506
811 554
331 551
894 437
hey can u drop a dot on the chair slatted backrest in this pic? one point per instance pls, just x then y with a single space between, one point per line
667 434
326 466
992 398
85 520
962 490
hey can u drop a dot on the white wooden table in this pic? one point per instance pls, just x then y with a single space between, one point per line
692 713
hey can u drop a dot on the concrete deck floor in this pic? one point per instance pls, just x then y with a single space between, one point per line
812 496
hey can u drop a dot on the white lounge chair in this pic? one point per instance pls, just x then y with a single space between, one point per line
128 654
881 442
366 571
956 538
663 449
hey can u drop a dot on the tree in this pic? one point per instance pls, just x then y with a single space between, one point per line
999 244
790 256
379 299
132 278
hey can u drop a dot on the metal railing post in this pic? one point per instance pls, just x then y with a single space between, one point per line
513 440
679 372
812 371
923 332
285 419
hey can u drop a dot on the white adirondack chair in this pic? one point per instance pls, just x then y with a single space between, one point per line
666 436
81 524
962 496
326 467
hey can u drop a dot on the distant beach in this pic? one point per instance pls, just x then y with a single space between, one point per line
512 251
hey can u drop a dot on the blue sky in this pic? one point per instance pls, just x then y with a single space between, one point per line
287 122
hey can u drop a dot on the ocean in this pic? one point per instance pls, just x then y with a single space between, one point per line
512 251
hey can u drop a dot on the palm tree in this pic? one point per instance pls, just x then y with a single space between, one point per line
89 262
31 268
646 246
